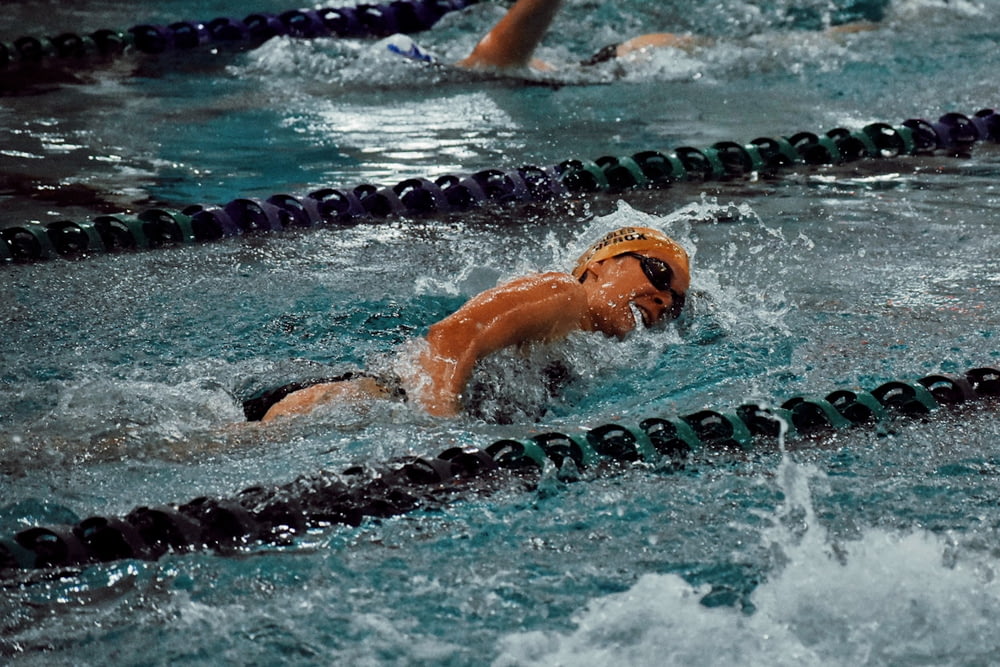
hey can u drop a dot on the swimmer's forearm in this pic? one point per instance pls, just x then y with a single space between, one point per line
447 365
542 307
513 40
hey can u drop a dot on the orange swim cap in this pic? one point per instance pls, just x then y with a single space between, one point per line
645 241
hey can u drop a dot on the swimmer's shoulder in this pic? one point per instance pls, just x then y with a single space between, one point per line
536 291
556 281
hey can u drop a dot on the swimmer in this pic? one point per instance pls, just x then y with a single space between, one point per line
628 271
511 43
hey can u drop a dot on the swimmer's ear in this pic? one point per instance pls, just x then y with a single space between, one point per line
593 270
596 269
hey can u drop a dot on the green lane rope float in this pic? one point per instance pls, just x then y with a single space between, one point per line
276 514
414 197
366 20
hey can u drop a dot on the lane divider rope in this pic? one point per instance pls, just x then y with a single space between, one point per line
364 20
953 133
266 514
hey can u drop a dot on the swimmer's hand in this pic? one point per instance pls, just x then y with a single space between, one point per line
438 398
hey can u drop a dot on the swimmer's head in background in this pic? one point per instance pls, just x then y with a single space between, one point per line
644 241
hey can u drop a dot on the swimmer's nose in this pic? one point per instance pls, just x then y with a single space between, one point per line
655 309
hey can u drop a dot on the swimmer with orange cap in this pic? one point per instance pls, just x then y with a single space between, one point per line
630 269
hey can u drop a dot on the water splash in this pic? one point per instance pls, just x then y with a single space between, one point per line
885 598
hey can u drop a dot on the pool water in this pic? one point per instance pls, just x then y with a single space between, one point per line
121 374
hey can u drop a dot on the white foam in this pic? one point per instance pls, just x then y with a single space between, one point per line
885 598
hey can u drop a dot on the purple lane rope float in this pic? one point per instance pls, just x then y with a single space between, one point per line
364 20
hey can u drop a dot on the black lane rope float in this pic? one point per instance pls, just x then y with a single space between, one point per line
952 133
276 514
365 20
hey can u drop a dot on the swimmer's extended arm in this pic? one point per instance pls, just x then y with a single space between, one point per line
542 307
513 40
659 40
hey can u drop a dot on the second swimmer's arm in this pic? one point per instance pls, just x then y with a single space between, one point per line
513 40
536 308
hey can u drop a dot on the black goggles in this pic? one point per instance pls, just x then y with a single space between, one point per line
659 275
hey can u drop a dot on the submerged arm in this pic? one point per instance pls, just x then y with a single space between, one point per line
513 40
544 307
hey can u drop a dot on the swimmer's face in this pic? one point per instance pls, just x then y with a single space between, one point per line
629 284
661 277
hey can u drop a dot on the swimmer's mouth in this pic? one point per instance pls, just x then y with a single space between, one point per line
642 315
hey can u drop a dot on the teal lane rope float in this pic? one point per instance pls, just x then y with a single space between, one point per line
365 20
275 514
414 197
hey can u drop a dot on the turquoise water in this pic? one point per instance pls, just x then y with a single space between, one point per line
120 374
